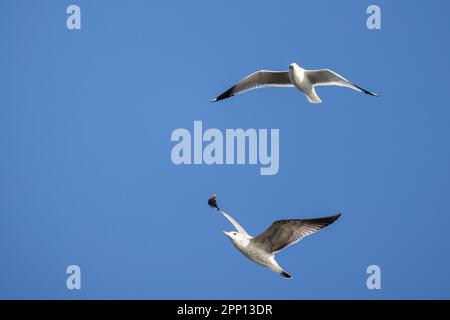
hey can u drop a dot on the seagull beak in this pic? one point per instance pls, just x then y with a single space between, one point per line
226 233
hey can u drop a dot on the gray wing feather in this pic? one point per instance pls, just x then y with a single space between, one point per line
256 80
284 233
326 77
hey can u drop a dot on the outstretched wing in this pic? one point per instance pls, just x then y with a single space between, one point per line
256 80
326 77
283 233
235 224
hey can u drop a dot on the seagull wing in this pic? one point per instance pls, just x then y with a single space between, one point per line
256 80
326 77
284 233
235 224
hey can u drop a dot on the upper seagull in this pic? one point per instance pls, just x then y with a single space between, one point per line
279 235
303 80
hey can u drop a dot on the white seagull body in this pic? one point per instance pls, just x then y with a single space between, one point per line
303 80
279 235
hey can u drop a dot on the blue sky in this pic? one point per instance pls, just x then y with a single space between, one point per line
86 176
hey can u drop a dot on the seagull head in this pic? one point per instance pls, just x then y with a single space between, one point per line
292 66
233 235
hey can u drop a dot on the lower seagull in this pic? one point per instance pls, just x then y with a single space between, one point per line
281 234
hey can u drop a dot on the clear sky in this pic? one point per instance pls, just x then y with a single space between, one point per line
86 176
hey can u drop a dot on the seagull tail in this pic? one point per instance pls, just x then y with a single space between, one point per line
285 274
313 97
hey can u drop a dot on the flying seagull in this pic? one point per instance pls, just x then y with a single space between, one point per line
279 235
303 80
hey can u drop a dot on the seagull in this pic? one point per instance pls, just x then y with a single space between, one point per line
281 234
303 80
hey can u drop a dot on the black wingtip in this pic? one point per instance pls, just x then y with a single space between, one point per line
227 94
333 218
212 201
286 275
366 91
325 221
